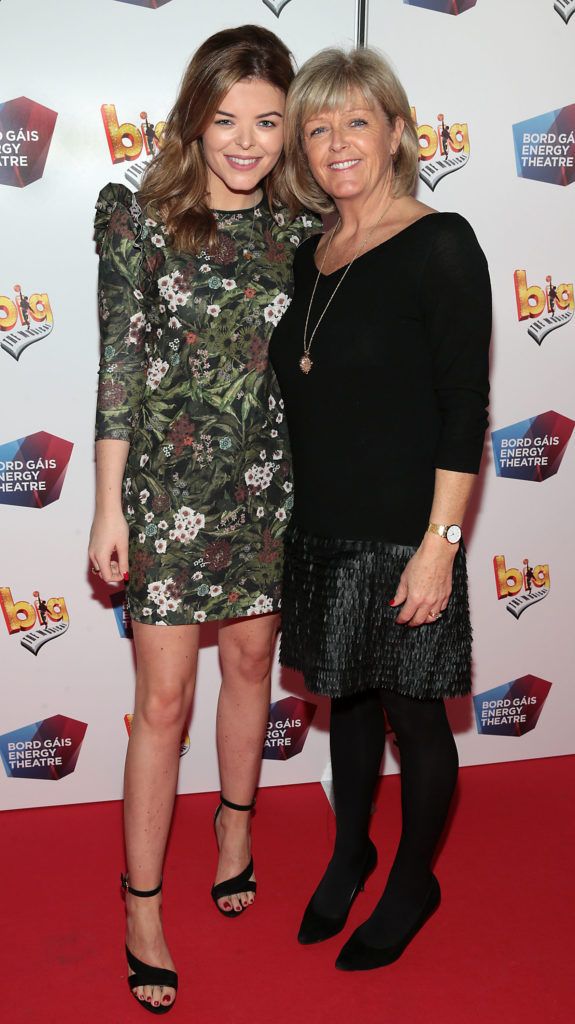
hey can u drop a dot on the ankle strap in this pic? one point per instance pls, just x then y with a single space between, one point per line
139 892
237 807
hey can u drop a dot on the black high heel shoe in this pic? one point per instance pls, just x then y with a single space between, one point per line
241 882
317 927
358 955
145 974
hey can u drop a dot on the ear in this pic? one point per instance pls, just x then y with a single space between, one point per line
396 133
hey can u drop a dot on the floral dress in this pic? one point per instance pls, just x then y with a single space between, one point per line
185 378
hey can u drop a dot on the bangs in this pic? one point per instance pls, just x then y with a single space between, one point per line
332 92
328 82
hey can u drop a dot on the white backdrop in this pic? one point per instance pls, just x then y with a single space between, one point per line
476 69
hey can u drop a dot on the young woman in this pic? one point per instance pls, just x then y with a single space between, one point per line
195 271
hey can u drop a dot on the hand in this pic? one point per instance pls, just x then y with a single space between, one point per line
109 536
425 584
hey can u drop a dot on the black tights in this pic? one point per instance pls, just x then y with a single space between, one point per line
428 775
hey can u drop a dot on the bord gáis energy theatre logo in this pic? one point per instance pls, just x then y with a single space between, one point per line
43 750
512 709
521 588
288 727
443 6
152 4
545 146
545 307
26 130
134 143
37 621
33 469
532 449
25 318
443 149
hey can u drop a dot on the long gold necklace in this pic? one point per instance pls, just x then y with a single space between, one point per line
305 363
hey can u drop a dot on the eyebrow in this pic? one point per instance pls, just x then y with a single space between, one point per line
348 110
269 113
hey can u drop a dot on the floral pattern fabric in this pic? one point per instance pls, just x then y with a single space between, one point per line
185 378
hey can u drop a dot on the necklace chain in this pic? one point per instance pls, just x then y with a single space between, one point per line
305 363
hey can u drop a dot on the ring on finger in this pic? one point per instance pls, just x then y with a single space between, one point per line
435 615
95 571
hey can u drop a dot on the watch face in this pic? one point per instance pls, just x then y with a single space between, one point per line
453 534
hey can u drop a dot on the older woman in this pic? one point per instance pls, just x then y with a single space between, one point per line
382 359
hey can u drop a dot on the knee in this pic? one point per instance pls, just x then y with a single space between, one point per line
164 705
416 722
250 661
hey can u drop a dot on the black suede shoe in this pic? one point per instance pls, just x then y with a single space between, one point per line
317 927
358 955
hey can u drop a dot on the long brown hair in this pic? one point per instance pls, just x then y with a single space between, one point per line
176 184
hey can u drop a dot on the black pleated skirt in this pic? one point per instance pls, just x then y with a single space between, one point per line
339 630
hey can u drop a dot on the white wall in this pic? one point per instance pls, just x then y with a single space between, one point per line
476 68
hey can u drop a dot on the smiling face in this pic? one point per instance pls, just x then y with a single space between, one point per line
243 142
350 150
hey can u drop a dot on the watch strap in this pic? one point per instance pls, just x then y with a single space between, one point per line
442 530
439 528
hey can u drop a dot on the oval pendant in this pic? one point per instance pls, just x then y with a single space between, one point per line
305 363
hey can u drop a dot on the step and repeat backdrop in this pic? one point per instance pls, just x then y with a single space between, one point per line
83 103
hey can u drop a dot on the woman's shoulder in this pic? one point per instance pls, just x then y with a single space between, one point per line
117 210
448 228
298 226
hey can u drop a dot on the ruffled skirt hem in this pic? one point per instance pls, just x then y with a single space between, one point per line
339 630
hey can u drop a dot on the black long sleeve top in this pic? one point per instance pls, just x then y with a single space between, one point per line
399 382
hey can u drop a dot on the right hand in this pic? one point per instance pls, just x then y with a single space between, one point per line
109 537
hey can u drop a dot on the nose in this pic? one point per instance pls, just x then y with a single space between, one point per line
338 140
245 136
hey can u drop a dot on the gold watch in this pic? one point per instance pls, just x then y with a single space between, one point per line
452 534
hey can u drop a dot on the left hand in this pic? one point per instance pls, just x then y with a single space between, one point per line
425 584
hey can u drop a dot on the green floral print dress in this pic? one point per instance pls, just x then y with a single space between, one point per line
185 378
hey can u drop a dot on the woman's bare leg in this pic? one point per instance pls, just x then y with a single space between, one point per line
166 675
246 652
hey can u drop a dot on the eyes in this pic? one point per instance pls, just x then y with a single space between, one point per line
226 122
356 122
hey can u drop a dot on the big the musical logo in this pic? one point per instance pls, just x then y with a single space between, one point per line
565 9
130 142
443 149
546 307
38 620
25 318
521 588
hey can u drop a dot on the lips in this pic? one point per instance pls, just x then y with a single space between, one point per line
242 163
343 165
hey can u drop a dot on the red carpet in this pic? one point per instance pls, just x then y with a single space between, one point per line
499 951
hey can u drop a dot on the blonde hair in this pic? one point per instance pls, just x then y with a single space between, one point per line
324 83
176 184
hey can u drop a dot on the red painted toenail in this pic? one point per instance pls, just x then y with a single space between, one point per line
166 999
156 1003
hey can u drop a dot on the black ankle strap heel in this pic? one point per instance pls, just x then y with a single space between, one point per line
146 974
139 892
242 882
235 807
